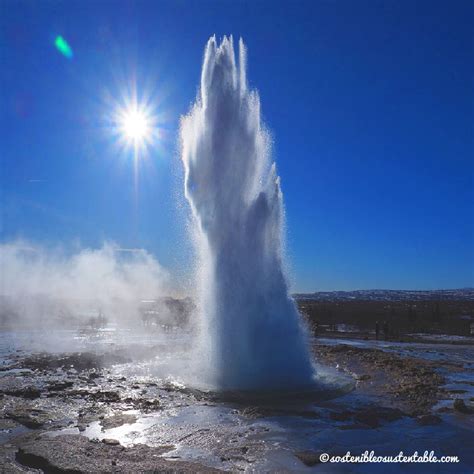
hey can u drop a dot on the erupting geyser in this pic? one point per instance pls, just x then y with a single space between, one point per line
251 337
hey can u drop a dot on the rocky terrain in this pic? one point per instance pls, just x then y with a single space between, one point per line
410 384
78 412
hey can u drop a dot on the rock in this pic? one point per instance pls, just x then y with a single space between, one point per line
428 420
461 407
117 420
354 426
363 377
76 454
312 415
374 415
60 386
368 418
105 396
149 405
309 458
252 412
340 415
31 418
72 362
8 465
25 392
111 442
7 424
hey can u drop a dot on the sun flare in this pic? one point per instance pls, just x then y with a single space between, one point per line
134 125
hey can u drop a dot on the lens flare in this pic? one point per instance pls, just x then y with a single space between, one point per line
63 47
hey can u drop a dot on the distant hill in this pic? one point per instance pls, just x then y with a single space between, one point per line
462 294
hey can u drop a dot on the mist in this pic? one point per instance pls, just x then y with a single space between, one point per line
42 285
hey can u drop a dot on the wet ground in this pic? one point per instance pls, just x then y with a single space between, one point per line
110 401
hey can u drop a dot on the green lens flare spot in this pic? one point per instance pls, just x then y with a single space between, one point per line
63 47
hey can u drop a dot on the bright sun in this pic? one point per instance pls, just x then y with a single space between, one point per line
135 125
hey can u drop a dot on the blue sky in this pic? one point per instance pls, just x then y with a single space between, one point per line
370 105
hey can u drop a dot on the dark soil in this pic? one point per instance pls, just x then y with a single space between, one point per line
413 385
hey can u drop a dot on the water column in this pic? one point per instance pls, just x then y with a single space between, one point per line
250 331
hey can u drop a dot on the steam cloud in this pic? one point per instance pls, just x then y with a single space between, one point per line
40 285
